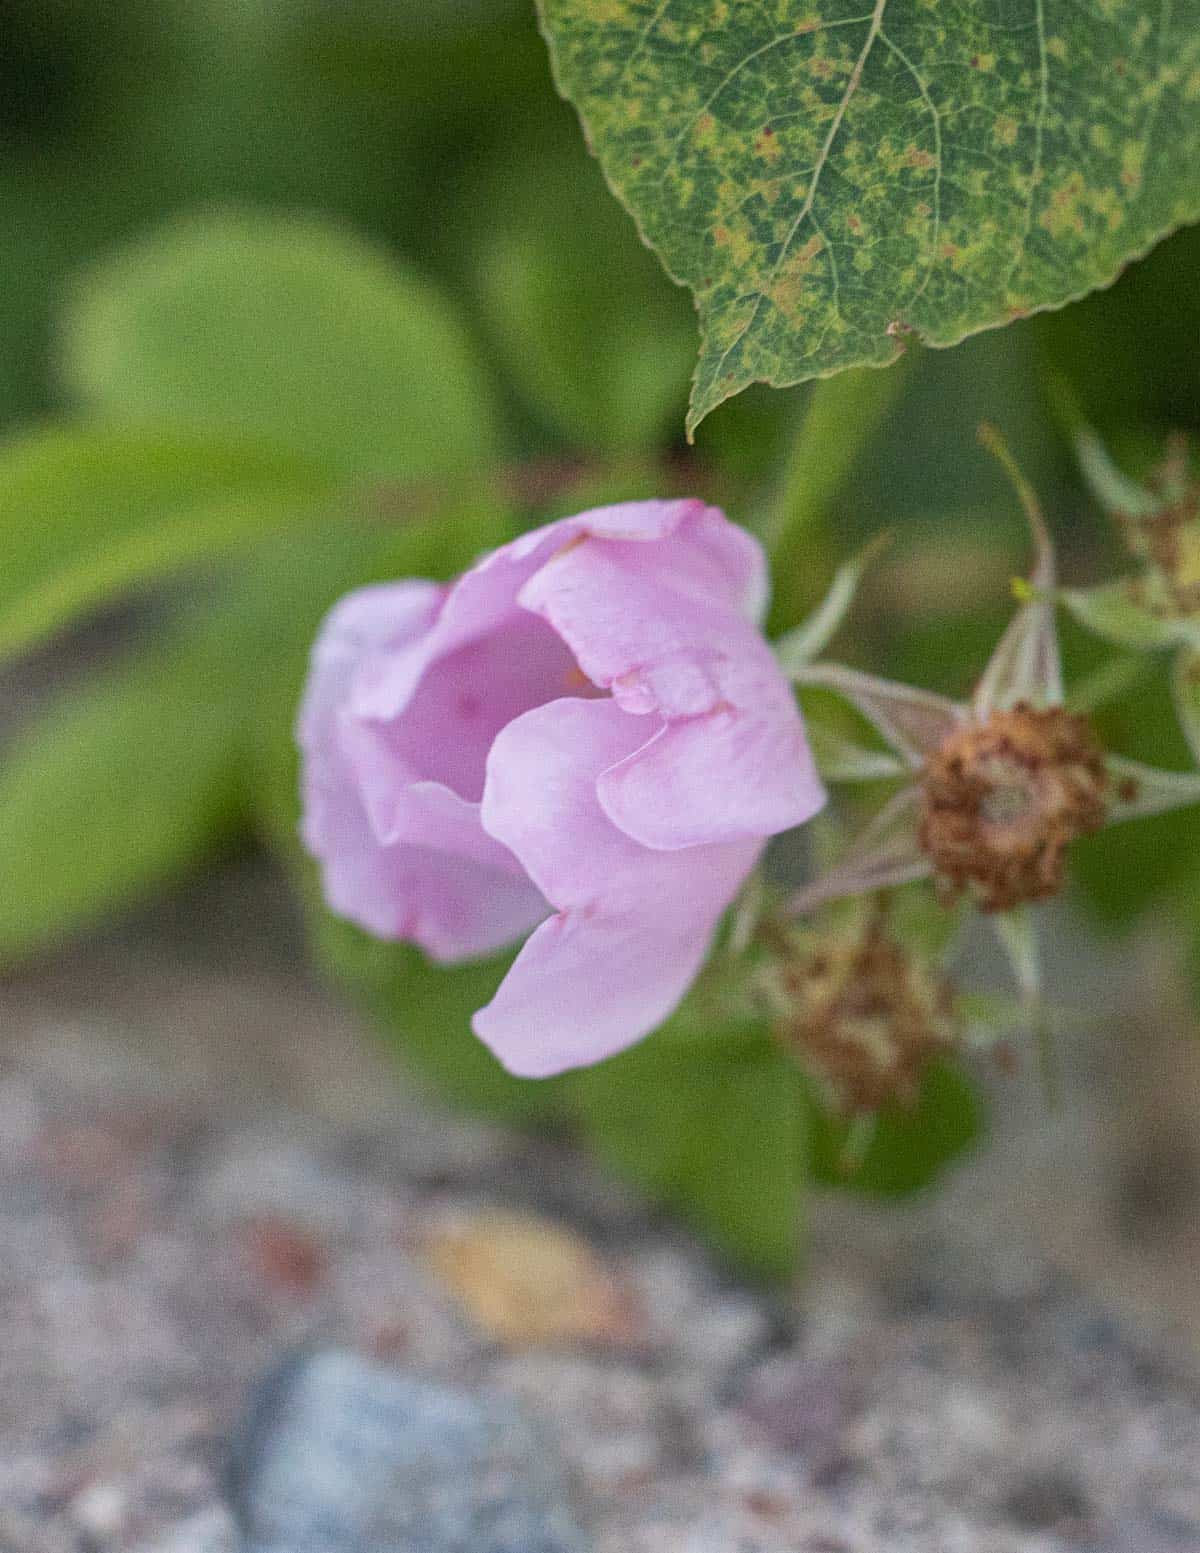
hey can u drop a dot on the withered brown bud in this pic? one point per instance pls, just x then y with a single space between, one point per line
1002 800
1169 539
865 1018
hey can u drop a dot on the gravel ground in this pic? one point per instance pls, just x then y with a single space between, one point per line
206 1171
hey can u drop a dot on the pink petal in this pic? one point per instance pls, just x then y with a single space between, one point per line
454 906
722 777
734 762
711 559
585 987
632 629
634 925
389 615
455 711
540 801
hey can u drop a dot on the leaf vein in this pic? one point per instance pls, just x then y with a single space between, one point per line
736 70
929 103
835 124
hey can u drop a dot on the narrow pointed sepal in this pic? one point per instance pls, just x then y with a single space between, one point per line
886 855
915 723
1136 791
810 638
840 759
1185 688
1025 667
1017 932
1112 611
1115 491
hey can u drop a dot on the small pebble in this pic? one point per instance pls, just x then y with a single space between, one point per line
343 1455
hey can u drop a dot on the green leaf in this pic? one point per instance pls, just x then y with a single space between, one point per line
708 1117
287 331
830 181
110 790
154 553
594 336
118 786
86 512
908 1149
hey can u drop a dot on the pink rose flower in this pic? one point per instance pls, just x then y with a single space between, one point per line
584 738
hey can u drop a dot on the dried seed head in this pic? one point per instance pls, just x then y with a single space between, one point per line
865 1017
1002 800
1169 539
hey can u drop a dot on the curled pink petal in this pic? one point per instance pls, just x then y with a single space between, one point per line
732 760
540 800
584 988
721 777
633 926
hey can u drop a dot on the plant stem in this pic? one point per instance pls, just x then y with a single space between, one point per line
842 414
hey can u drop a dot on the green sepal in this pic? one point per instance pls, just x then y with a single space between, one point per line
1113 612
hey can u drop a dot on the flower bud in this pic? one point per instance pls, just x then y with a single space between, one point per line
865 1016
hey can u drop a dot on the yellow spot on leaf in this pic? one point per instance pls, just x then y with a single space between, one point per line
1063 212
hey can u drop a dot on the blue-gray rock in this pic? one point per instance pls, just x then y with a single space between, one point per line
342 1455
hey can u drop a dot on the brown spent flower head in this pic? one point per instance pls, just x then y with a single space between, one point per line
1169 538
865 1018
1002 800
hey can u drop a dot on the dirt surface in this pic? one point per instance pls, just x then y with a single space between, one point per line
205 1167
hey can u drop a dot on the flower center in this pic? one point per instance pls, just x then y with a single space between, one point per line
866 1018
1001 802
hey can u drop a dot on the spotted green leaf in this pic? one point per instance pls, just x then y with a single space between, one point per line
833 176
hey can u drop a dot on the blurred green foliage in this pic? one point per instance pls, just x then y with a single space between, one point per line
301 295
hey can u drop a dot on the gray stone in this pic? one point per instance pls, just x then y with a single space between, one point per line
343 1455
